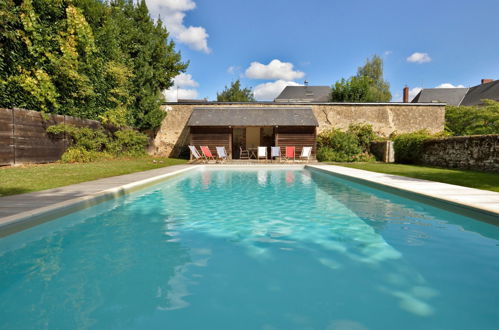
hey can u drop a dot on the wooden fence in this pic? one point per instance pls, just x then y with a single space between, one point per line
23 136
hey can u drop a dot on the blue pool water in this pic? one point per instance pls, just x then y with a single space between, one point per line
253 249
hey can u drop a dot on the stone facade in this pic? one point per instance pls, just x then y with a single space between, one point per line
476 152
386 119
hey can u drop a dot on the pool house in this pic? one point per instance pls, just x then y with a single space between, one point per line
246 128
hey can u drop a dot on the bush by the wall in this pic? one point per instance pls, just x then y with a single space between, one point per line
128 142
339 146
409 146
365 134
83 137
81 155
88 144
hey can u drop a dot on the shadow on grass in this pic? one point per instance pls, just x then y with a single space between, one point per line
12 191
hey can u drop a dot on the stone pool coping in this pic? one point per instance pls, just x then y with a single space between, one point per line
18 212
461 198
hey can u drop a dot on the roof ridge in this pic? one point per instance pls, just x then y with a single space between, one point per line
461 101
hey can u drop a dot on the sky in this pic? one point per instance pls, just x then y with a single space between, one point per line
269 44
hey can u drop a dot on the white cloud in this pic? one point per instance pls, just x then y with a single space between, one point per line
233 69
178 90
274 70
182 93
269 91
388 52
449 85
172 14
184 80
419 58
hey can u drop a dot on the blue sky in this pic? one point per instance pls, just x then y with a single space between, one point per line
273 43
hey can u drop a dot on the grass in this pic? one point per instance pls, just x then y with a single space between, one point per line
473 179
28 178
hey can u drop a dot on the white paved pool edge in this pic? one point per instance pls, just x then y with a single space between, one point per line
476 199
18 212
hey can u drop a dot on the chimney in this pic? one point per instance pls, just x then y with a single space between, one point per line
406 94
486 81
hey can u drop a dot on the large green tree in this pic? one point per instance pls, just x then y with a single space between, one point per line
473 120
86 58
367 85
235 93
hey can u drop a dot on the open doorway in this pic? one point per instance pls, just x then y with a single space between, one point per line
250 138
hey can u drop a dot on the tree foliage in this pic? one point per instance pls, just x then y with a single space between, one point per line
367 86
352 145
409 146
88 144
461 120
235 93
86 58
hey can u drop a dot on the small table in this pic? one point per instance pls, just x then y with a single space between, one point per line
252 153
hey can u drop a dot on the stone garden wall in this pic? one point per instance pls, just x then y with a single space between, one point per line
386 118
476 152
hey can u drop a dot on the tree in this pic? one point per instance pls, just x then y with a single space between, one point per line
367 86
234 93
462 120
105 60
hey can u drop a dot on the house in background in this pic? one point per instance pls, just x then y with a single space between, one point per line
488 89
312 94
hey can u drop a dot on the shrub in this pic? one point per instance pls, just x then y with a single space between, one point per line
88 144
84 137
352 145
409 147
365 134
328 154
128 142
80 155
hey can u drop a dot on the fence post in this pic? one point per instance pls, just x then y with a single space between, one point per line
14 140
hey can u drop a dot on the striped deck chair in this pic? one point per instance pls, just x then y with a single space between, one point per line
195 153
222 154
207 153
290 153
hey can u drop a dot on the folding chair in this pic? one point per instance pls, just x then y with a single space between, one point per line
243 154
195 153
222 154
306 152
290 153
207 153
262 153
275 152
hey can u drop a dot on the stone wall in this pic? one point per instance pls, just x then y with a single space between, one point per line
386 118
476 152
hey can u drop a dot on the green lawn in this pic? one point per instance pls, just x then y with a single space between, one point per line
22 179
473 179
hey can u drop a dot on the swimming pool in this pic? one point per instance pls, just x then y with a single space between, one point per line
260 248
